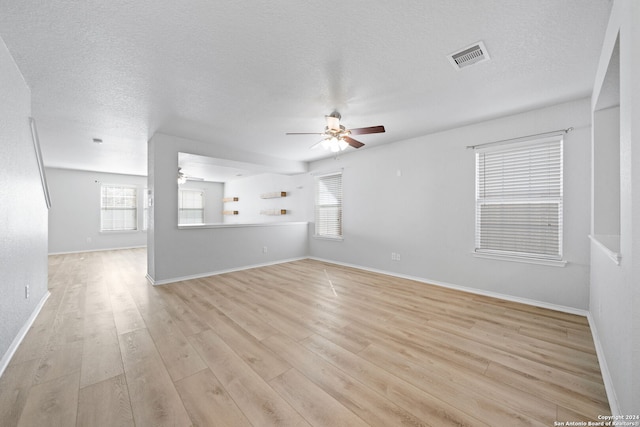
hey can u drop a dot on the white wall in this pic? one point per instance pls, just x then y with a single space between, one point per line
427 213
606 171
23 212
299 189
615 289
174 253
74 218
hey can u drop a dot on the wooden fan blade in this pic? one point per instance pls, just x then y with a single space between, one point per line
352 142
304 133
372 129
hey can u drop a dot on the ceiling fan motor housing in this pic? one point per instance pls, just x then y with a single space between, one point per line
333 121
337 132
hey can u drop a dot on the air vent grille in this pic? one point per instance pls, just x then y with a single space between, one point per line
470 55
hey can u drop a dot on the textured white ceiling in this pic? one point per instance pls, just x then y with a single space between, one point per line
243 73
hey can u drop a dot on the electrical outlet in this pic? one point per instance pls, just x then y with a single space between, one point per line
26 292
393 256
264 249
397 257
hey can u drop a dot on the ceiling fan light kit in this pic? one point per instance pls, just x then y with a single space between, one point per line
183 178
336 136
334 144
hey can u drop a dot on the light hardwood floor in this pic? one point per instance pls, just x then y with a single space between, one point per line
302 343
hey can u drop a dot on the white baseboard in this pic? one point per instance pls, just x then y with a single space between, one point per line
6 358
604 369
535 303
97 250
215 273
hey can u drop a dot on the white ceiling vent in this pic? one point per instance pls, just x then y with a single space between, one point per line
470 55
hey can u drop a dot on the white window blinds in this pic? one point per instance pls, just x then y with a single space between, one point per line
118 208
190 207
328 206
519 199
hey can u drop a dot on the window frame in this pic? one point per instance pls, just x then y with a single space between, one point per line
517 189
134 208
318 207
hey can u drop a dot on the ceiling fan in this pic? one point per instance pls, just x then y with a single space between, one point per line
336 136
182 177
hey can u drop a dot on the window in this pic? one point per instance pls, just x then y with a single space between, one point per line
118 208
519 199
328 209
190 207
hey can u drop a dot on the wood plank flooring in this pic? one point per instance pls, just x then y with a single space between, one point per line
303 343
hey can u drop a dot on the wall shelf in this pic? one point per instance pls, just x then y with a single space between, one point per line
274 195
230 212
273 212
230 199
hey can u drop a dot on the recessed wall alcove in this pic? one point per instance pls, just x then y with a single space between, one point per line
605 227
